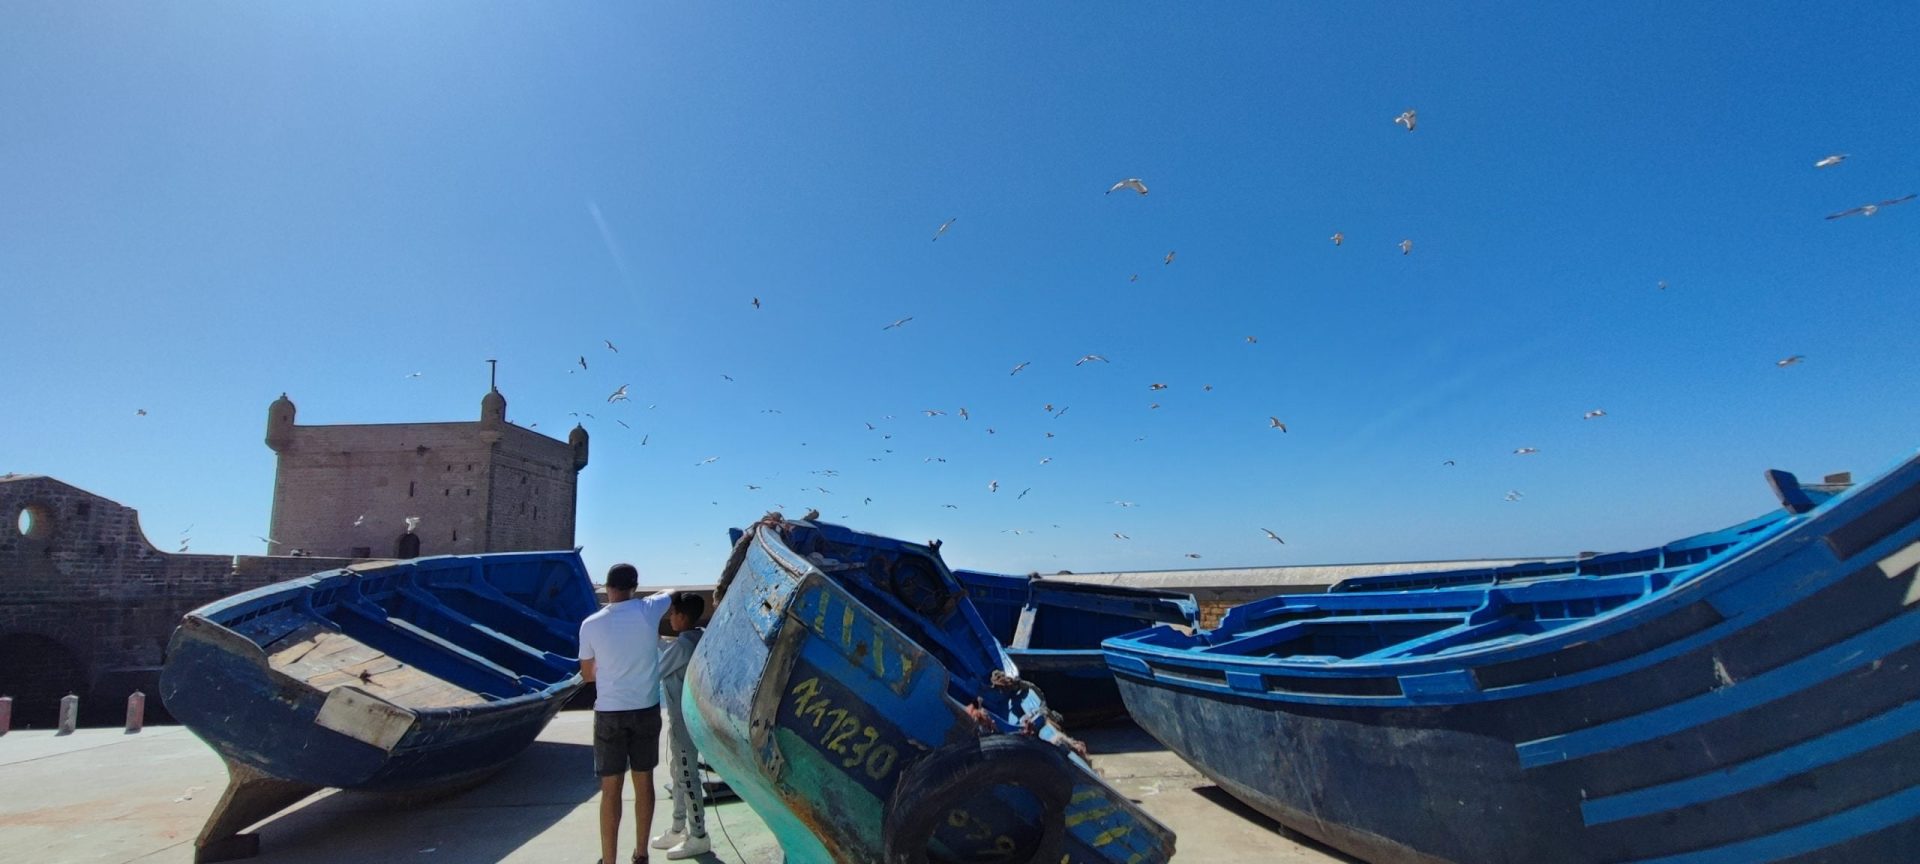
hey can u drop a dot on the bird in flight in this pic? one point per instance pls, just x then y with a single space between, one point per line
1253 340
360 520
1169 258
1447 463
963 413
932 413
1134 183
412 523
414 374
1090 358
1831 161
1023 493
1156 386
706 461
1272 536
1135 278
751 487
1207 387
1663 284
1525 451
583 362
1514 495
756 302
1062 411
619 395
1119 536
1408 118
1193 554
898 323
1597 412
942 229
139 412
1125 503
643 439
578 414
1274 423
1338 238
610 346
1045 459
1153 406
1016 369
1870 209
272 542
1406 247
1790 361
726 376
951 506
623 424
993 485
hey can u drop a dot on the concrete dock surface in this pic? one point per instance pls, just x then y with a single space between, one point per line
101 795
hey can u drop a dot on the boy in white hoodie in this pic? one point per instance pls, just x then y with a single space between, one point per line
688 836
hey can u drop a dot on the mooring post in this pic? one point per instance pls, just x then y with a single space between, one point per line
136 711
6 714
69 713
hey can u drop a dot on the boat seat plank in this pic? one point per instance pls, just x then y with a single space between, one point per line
325 658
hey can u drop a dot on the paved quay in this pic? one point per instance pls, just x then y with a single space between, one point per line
101 795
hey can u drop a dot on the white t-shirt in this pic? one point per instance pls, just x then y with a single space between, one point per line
623 641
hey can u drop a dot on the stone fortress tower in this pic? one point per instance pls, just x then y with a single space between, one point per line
348 491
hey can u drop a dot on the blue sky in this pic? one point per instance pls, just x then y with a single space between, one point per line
204 205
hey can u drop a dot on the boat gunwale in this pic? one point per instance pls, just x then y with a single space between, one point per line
1720 575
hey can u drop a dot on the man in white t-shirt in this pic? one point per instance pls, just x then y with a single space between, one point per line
620 653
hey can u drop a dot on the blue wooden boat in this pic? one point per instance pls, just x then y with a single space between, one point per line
1743 696
411 678
850 693
1053 629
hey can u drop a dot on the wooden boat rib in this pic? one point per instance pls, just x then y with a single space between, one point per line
849 691
1742 696
408 678
1052 630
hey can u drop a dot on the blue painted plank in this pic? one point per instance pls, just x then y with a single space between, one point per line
1819 834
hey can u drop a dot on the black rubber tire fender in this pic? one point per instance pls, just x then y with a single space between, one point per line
956 772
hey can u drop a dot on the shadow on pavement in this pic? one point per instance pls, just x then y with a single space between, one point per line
1239 808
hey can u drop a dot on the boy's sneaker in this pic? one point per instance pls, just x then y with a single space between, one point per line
673 837
688 848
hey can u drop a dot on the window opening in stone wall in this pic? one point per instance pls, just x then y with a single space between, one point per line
469 493
83 509
33 521
363 551
409 488
408 546
469 466
456 535
449 469
447 493
536 512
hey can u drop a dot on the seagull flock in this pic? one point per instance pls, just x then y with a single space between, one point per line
1408 119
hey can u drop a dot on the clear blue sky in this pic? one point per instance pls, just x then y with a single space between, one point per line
203 205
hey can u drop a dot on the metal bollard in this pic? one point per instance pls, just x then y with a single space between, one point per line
6 714
69 713
136 711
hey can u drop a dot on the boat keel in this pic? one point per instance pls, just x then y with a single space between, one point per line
250 797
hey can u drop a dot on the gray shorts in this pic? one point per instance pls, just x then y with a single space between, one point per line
626 741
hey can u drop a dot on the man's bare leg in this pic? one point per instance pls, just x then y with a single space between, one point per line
610 819
642 809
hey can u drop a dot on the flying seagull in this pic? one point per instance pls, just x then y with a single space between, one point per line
644 437
1016 369
1449 462
139 412
1831 161
1119 536
1193 554
1134 278
1597 412
1338 238
610 346
1090 358
583 362
414 374
1274 423
623 424
751 487
1408 118
1133 183
619 395
272 542
932 413
1156 386
706 460
1790 361
951 506
993 485
412 523
1272 536
756 302
943 229
898 323
1207 387
1153 406
1253 340
1525 451
1514 495
726 376
1169 258
1045 459
360 520
1406 247
1023 493
1870 209
1663 284
963 413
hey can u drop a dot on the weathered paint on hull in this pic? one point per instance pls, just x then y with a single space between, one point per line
814 707
1766 710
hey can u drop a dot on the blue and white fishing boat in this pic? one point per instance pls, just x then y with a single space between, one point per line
850 693
1052 629
413 678
1743 696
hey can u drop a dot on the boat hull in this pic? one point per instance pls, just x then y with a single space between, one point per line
818 710
1767 709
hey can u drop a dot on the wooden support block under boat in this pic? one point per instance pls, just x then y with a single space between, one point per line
250 797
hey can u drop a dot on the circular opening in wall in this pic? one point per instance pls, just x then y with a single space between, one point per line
33 521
